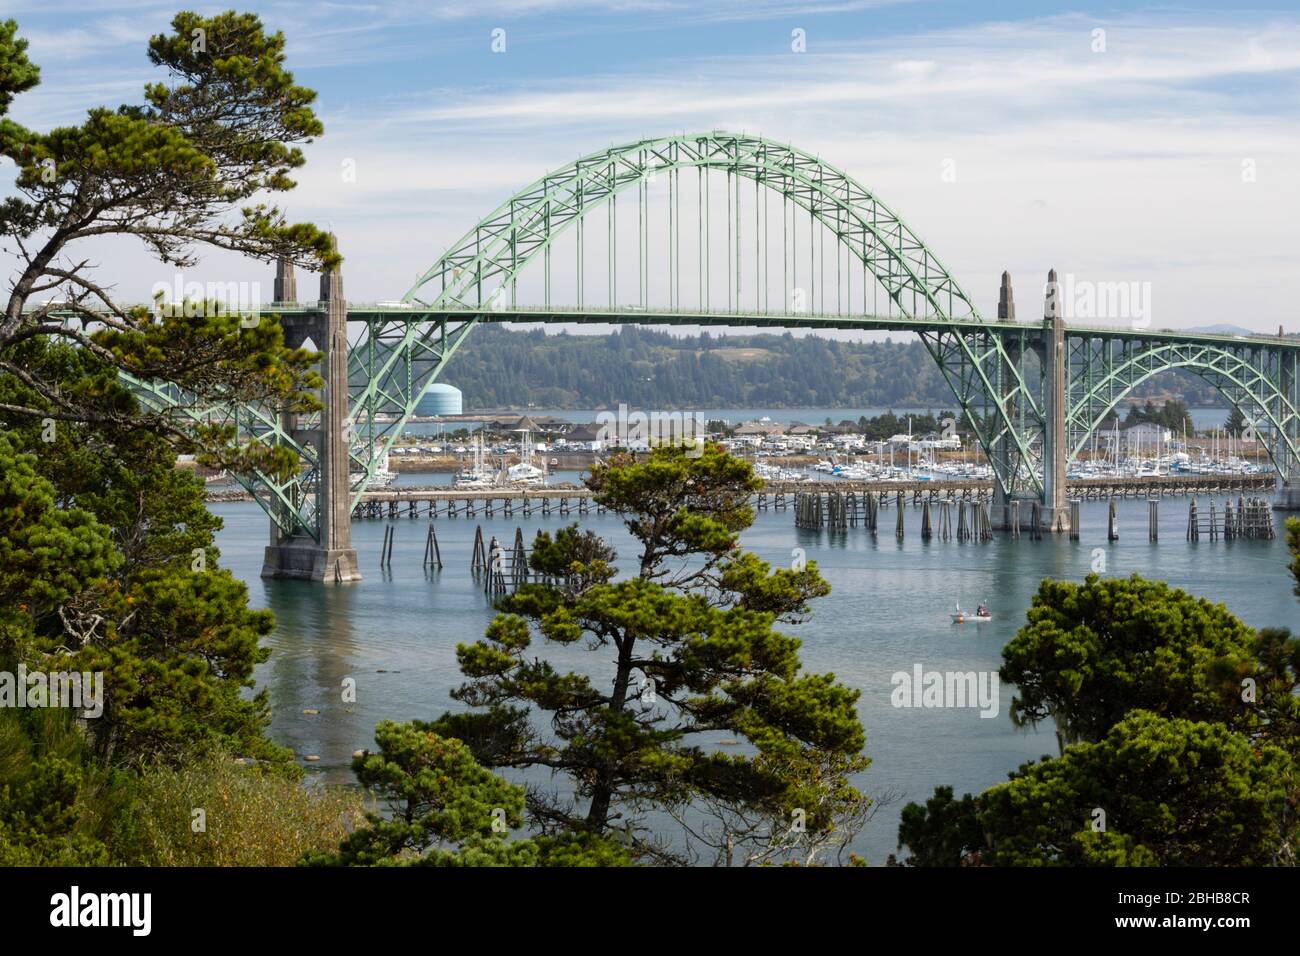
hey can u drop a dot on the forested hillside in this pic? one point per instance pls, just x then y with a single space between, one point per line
501 368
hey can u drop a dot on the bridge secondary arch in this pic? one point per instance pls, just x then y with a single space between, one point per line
1260 382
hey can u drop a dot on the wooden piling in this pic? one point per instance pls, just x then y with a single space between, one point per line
432 554
478 557
519 559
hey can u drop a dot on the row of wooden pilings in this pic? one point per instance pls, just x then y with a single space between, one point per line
498 568
1251 518
839 511
493 564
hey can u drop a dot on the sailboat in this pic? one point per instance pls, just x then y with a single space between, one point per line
525 472
479 475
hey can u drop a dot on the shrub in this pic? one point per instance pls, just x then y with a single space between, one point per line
250 817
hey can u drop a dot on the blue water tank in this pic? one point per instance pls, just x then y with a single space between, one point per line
440 399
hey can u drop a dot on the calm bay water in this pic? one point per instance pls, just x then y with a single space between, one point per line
396 632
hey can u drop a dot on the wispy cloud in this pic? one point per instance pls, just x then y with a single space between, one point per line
1122 164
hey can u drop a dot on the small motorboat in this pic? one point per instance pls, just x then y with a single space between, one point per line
961 617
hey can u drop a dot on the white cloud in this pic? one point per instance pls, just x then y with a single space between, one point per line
1121 165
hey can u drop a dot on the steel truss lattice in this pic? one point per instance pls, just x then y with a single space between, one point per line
1258 379
996 369
481 270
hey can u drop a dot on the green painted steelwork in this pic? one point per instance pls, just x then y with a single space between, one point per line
996 368
291 503
481 270
1256 375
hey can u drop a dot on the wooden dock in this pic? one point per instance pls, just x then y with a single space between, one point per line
443 501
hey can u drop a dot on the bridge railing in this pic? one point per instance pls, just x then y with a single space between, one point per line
1291 340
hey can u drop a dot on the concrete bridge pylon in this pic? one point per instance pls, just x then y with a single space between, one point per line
297 554
1056 451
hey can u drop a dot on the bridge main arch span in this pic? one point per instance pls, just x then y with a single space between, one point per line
1025 388
477 278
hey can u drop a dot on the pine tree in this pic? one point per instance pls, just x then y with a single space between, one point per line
696 655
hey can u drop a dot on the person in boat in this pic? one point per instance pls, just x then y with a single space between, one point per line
982 610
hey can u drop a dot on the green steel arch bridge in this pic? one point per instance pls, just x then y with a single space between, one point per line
717 229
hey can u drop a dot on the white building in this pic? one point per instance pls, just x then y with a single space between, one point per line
1147 434
936 443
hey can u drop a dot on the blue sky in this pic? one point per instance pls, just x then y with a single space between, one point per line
1117 165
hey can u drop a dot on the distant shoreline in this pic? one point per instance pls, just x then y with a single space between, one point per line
910 407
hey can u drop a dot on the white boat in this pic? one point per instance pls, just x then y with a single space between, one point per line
961 617
525 472
479 475
381 476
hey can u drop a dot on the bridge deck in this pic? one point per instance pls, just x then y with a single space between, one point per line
366 312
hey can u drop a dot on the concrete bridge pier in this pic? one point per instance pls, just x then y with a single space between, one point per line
1015 511
1056 450
1018 509
299 555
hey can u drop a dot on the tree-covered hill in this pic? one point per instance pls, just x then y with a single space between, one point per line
504 368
